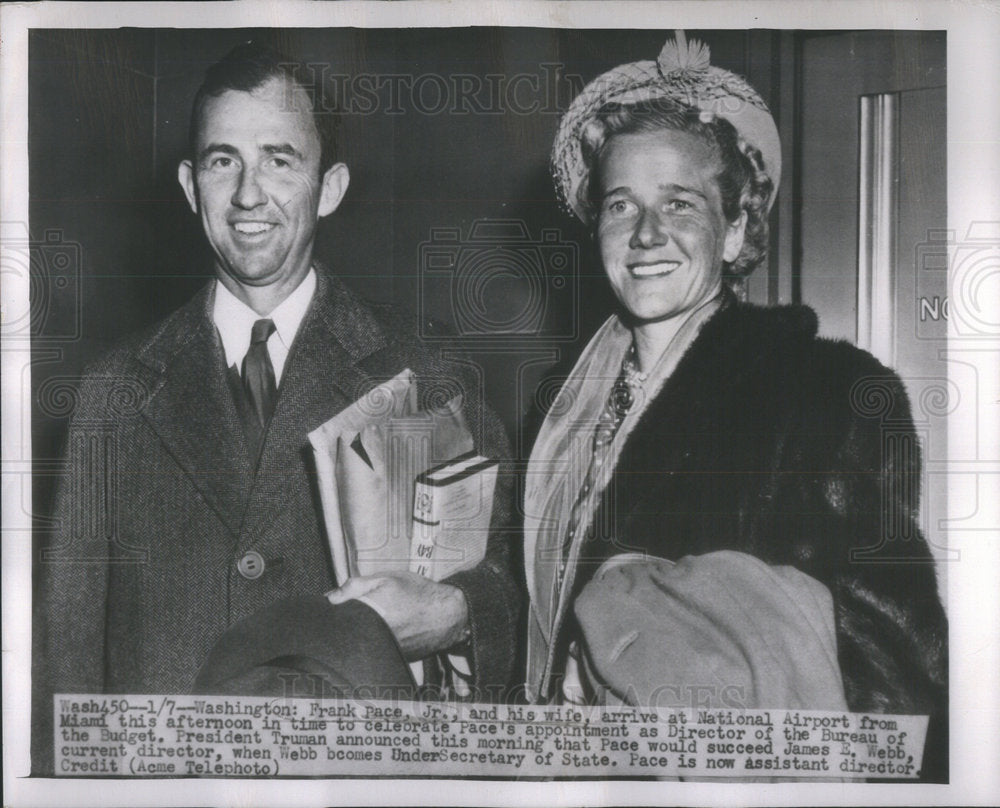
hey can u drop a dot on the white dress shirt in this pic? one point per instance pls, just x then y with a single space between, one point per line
235 320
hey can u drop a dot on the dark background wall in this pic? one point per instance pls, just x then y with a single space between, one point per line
443 128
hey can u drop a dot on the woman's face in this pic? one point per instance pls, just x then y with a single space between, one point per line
662 234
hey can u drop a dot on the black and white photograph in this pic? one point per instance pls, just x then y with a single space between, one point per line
573 403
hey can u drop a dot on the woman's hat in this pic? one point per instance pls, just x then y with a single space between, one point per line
682 74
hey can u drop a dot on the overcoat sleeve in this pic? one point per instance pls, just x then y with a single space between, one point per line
493 598
490 588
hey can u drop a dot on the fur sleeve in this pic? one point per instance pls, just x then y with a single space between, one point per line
856 487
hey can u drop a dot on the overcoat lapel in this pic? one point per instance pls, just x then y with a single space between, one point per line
191 408
322 376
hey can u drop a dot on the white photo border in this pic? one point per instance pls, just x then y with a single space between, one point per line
973 31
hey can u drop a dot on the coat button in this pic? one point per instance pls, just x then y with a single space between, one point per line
251 566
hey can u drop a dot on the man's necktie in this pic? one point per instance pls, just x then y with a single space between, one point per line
258 373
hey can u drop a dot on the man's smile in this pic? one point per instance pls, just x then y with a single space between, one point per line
252 228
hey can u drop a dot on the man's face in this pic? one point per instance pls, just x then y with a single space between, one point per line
255 183
662 233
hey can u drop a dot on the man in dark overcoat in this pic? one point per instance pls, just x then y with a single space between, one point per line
189 500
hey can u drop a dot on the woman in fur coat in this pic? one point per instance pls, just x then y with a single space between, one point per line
721 507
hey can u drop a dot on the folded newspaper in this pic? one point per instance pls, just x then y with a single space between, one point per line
368 458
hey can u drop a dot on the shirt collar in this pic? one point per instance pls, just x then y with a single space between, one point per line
235 319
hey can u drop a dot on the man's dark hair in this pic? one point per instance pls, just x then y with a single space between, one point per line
250 65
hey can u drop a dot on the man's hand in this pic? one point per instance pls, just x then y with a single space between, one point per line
425 616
